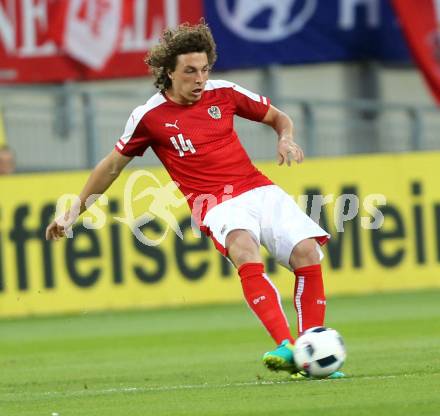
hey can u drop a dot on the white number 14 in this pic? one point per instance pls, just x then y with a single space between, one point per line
184 145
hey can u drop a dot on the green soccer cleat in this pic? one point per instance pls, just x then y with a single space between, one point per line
301 375
281 359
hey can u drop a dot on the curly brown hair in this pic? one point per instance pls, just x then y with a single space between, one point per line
186 38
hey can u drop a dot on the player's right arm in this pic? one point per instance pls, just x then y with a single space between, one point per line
98 182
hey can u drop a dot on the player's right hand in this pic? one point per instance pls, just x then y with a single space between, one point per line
55 231
288 150
61 226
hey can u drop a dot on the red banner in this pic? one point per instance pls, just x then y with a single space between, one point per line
420 21
58 40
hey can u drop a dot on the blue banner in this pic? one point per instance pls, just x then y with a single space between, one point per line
252 33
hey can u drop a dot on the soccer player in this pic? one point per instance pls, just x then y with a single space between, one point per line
188 123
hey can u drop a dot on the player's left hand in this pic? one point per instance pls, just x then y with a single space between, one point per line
288 150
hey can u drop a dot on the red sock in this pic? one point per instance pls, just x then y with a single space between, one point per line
264 299
309 297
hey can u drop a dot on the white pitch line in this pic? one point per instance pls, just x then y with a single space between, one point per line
167 388
116 390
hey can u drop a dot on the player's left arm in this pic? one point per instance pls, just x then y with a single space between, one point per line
283 125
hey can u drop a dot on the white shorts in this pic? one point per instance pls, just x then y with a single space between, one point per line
270 215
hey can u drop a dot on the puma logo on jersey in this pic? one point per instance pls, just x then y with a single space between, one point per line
320 302
172 125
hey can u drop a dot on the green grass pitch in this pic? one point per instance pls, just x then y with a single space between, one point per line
207 361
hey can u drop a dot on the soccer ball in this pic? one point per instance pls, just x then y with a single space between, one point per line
319 352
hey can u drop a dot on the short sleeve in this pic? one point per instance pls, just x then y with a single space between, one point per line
134 140
248 104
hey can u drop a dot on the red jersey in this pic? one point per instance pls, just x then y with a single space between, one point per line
197 143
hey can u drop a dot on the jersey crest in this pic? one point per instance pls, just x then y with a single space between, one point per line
215 112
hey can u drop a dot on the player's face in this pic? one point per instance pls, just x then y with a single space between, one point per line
189 78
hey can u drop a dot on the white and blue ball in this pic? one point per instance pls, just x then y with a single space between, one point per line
319 352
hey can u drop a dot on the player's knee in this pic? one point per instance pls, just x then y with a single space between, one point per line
305 253
242 248
244 254
245 257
